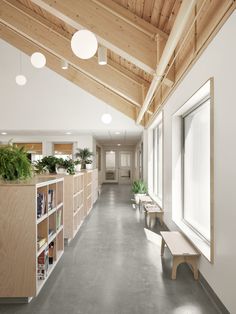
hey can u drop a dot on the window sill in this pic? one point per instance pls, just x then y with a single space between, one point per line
197 241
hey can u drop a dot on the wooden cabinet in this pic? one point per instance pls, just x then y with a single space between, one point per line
88 190
74 204
94 185
31 235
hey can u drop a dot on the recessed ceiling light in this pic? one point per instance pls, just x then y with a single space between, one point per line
84 44
21 80
68 133
118 144
117 133
106 118
4 133
38 60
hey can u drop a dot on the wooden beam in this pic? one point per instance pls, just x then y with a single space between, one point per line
13 15
72 74
131 18
112 31
170 79
209 21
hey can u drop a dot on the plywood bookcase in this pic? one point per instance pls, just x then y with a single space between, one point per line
94 185
31 235
88 191
74 204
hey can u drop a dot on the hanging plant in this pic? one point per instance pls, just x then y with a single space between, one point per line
14 163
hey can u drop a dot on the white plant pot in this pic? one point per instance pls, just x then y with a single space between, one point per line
78 168
89 166
136 198
60 170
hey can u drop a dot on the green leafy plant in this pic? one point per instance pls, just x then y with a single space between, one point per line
88 161
67 164
139 187
46 164
14 164
83 155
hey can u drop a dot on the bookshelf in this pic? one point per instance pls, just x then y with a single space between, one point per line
94 185
31 219
74 204
88 191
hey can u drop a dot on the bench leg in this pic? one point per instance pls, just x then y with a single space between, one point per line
193 261
176 261
162 246
160 219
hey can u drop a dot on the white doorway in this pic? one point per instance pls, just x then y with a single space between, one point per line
110 166
125 167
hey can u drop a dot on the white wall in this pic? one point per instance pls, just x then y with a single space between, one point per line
217 61
80 141
48 101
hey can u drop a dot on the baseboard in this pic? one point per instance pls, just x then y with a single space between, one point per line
212 295
20 300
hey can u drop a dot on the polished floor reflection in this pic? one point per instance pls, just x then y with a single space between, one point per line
111 268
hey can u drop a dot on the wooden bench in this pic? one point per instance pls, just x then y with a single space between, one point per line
154 211
144 199
181 250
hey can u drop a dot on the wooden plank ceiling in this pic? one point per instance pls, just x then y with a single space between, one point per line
134 31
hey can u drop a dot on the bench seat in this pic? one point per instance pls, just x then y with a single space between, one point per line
154 211
181 250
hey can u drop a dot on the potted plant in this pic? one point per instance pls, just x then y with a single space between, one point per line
65 166
83 155
77 165
14 164
88 164
46 164
138 188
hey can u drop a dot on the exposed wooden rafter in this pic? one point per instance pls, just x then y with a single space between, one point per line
39 31
114 32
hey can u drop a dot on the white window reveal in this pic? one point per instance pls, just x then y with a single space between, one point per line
192 169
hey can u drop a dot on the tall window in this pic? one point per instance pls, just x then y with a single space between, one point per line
63 150
192 166
196 169
157 161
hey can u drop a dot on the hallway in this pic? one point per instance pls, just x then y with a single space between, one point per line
110 268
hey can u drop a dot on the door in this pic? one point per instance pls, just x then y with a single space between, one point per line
125 166
111 168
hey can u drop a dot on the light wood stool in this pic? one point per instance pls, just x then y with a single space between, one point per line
154 211
181 250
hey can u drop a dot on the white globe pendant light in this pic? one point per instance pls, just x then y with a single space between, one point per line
106 118
21 80
84 44
38 60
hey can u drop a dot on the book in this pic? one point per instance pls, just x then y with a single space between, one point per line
41 242
50 232
50 252
43 265
51 202
59 222
41 204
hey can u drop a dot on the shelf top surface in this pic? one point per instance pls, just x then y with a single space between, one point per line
35 181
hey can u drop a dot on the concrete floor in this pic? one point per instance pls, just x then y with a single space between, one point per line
111 268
